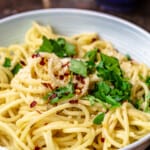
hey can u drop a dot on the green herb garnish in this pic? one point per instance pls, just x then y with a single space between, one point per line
16 68
115 86
148 81
99 118
92 99
147 103
107 66
79 67
60 94
103 91
91 57
138 103
128 57
7 62
60 47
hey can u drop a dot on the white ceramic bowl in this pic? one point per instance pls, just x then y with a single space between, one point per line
126 37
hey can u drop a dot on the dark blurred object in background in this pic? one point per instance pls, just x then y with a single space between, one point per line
117 5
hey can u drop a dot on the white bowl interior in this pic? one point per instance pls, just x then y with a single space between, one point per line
126 37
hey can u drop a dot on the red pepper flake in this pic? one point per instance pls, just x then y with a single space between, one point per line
82 81
35 55
23 63
48 85
37 148
66 74
61 77
102 140
80 78
75 85
74 101
33 104
77 77
94 39
56 75
52 96
66 64
42 62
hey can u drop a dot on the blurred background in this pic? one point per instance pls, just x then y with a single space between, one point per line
136 11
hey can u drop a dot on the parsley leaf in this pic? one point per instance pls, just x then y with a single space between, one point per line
60 47
60 94
109 70
92 99
16 68
112 101
147 103
7 62
91 57
78 67
103 91
107 66
46 46
99 118
138 103
148 81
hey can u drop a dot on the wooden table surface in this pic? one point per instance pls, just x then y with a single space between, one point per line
139 16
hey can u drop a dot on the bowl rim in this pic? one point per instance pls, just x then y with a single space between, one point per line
76 11
91 13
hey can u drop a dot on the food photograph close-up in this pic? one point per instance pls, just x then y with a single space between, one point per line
75 75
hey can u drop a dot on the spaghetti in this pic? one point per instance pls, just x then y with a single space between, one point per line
45 102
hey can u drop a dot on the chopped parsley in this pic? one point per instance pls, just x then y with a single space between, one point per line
79 67
84 68
108 68
103 91
7 62
148 81
99 118
92 99
115 88
147 103
60 94
143 103
138 103
91 57
60 47
16 68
